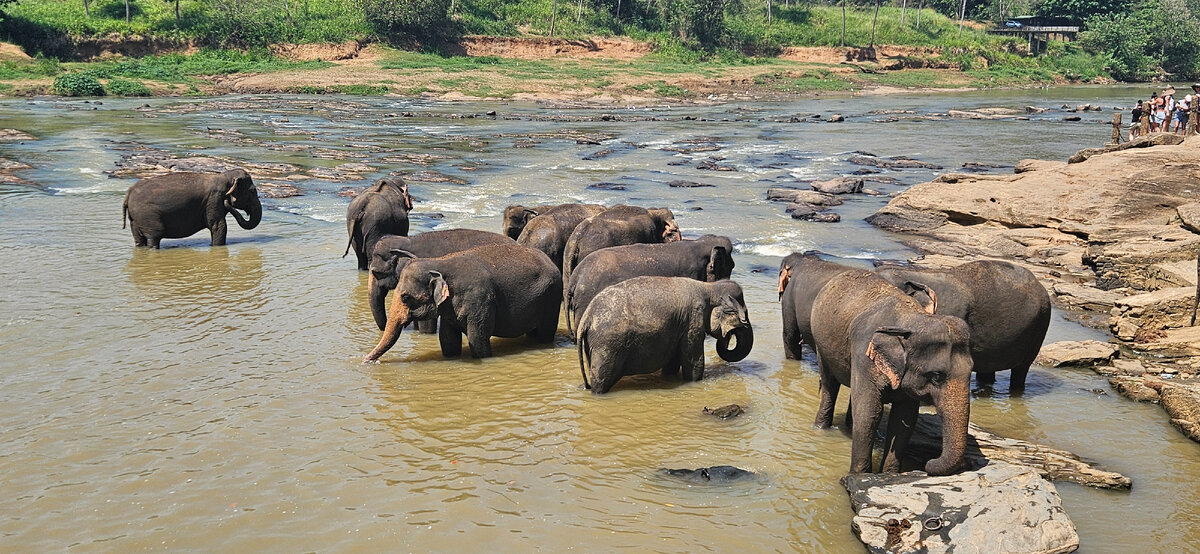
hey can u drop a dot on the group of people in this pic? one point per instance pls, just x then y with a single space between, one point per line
1164 113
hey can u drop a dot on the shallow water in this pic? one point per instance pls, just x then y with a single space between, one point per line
212 398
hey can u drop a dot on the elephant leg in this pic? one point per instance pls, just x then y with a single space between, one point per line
219 231
547 326
606 371
479 339
451 340
986 378
364 260
829 393
849 411
672 367
427 326
691 357
867 411
901 423
154 241
1016 380
138 238
792 349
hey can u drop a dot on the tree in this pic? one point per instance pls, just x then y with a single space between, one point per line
698 21
127 11
1079 10
874 21
420 19
843 22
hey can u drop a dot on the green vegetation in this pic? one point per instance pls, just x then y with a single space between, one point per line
77 84
356 90
177 68
125 87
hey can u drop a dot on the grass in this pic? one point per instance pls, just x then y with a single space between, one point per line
353 90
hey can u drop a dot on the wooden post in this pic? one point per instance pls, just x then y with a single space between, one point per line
1194 116
1116 133
1145 123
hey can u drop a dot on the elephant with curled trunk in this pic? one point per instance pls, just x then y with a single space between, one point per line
801 277
884 345
550 230
177 205
495 290
380 210
392 254
617 226
1004 305
704 259
517 216
650 323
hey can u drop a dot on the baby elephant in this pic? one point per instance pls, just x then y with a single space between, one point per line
651 323
380 210
177 205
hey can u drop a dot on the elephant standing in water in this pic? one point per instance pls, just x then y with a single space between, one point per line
177 205
496 290
801 277
392 254
704 259
550 230
884 345
617 226
1004 305
517 216
650 323
380 210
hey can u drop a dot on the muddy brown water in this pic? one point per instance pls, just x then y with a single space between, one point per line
212 398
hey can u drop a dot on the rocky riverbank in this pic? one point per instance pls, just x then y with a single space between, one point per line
1113 234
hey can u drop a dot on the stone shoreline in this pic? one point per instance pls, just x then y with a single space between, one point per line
1113 236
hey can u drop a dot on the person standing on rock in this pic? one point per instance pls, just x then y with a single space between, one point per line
1153 107
1135 123
1181 114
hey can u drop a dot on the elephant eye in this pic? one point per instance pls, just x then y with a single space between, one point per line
406 298
937 377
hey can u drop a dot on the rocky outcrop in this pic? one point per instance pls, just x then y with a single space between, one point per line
795 196
839 185
1156 139
1076 353
998 508
1146 316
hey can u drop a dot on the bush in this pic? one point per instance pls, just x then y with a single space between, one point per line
420 19
125 87
77 84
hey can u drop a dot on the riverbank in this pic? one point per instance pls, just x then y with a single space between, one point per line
1114 237
599 70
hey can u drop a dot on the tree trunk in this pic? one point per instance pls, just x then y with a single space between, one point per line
87 11
962 14
553 13
843 22
579 13
287 10
126 11
873 23
618 11
768 12
903 12
920 5
177 20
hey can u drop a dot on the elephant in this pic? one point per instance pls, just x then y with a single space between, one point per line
801 277
887 347
516 217
392 253
494 290
617 226
1004 305
650 323
704 259
177 205
550 230
380 210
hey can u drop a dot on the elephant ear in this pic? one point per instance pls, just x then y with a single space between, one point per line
887 355
911 288
785 275
718 264
441 291
408 199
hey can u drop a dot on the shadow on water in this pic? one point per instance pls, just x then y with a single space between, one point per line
193 277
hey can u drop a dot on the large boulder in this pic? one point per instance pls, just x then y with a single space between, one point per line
794 196
998 508
1076 353
839 185
1142 317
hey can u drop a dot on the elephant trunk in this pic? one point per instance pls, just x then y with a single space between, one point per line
395 322
376 295
255 212
954 406
744 340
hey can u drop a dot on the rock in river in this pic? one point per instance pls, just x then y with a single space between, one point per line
840 185
707 475
999 508
1077 353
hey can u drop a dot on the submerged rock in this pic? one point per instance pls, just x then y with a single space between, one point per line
710 475
998 508
725 412
688 184
840 185
803 197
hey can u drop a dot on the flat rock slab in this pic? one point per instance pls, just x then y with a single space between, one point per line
1076 353
803 197
840 185
998 508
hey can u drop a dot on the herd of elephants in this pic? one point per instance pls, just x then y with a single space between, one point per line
638 298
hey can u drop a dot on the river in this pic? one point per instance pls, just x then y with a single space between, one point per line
213 398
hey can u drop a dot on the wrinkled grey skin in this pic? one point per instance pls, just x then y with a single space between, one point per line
177 205
617 226
550 230
495 290
392 253
801 277
380 210
919 357
516 217
704 259
650 323
1004 305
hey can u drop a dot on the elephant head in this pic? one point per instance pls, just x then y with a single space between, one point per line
240 194
420 292
720 264
664 224
515 220
730 320
385 268
929 360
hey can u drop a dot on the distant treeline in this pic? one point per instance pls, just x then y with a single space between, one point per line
1128 39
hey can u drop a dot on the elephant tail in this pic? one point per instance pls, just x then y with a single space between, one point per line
353 229
567 308
124 211
580 346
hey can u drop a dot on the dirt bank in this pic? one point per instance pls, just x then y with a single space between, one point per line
1114 237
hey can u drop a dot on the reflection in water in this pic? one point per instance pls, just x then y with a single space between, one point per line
196 396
